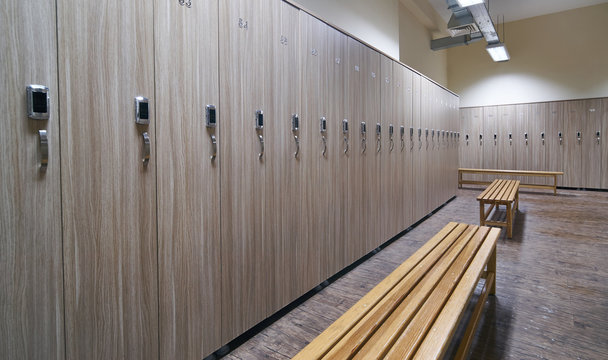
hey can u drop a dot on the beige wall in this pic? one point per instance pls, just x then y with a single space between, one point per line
415 48
375 22
553 57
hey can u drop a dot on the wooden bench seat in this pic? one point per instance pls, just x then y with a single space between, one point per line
553 174
414 311
500 192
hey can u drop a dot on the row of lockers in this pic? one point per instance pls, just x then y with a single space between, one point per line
563 136
267 151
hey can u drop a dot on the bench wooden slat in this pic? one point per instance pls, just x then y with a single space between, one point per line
379 342
513 193
328 338
506 190
499 194
487 190
436 342
495 188
364 328
407 343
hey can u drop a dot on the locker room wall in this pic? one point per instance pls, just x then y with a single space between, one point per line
580 153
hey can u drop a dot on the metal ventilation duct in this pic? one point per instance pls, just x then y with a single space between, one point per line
467 25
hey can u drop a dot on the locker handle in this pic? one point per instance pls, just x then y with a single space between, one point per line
578 136
295 137
597 134
363 144
324 145
510 139
391 144
345 144
466 137
560 137
213 147
261 153
480 139
402 134
495 136
542 136
44 150
526 137
146 148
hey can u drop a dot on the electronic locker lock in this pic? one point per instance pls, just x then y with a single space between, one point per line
542 137
39 108
363 137
295 127
480 139
526 137
561 138
259 127
433 134
426 132
142 117
402 135
411 138
510 139
597 135
578 136
323 130
466 137
345 132
391 131
211 123
378 137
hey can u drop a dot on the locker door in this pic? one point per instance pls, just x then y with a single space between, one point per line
188 179
297 265
521 145
338 80
491 143
574 114
604 143
106 59
507 137
372 163
592 149
400 180
408 198
387 205
246 85
537 115
471 120
30 217
554 126
316 214
419 168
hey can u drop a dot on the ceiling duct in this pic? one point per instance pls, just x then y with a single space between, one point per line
466 25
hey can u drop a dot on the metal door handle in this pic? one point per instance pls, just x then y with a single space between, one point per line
345 144
261 153
542 136
213 147
297 146
391 145
526 137
363 145
597 133
480 139
378 145
324 145
578 136
402 144
560 137
146 148
44 150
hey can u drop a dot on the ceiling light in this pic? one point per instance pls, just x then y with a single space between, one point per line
498 52
465 3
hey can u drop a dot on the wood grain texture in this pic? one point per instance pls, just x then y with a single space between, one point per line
592 149
419 172
574 114
604 143
490 145
108 195
506 123
554 125
521 146
408 164
31 295
471 123
189 183
537 118
246 79
387 206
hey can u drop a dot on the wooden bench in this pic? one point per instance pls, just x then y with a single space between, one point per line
414 311
500 192
553 174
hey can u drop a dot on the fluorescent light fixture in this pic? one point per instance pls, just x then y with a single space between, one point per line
498 52
465 3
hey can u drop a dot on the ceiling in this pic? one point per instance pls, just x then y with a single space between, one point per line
520 9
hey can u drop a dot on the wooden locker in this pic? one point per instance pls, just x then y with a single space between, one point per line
419 177
507 137
537 118
491 143
338 80
521 140
30 218
433 141
574 114
372 165
408 198
106 59
387 177
188 179
248 250
455 160
400 178
426 150
471 154
592 148
604 143
316 214
554 126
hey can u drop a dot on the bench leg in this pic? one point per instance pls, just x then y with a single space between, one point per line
509 221
482 214
492 269
554 184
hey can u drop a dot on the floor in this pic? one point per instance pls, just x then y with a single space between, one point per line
552 283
